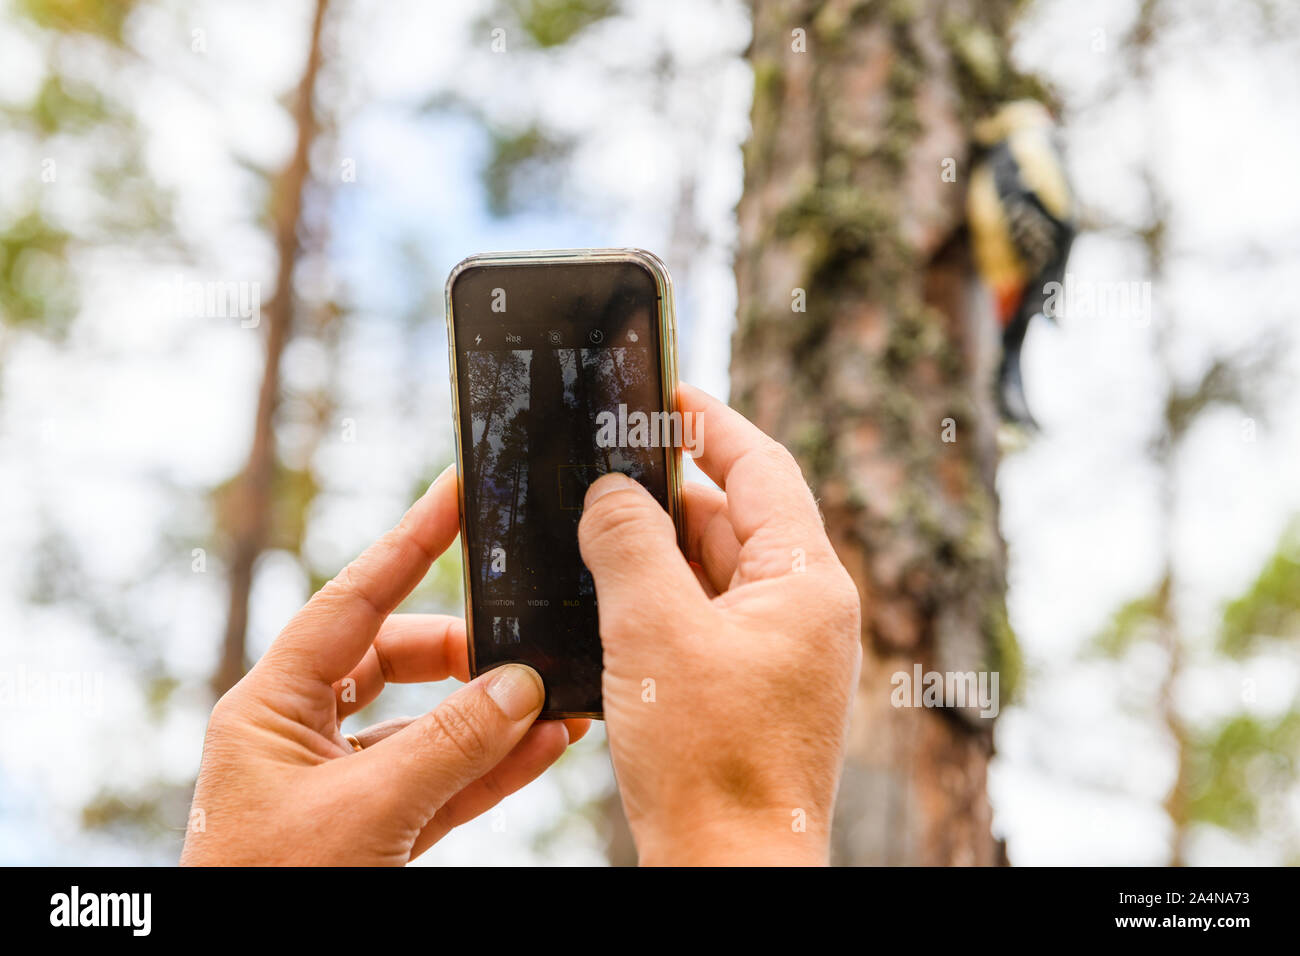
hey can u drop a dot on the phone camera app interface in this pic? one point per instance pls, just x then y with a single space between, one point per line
554 362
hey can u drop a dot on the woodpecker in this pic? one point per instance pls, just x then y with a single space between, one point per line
1021 214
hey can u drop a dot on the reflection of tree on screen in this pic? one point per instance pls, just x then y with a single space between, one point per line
578 402
615 376
534 437
555 436
498 397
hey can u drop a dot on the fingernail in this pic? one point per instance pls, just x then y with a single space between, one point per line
608 484
517 690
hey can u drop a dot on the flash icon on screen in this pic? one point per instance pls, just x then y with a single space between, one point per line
478 340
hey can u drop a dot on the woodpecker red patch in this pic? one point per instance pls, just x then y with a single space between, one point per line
1008 298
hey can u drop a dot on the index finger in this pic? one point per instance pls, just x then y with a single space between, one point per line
329 636
765 488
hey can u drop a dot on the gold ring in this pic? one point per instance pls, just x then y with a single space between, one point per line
356 744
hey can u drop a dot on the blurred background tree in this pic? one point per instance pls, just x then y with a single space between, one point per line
1233 769
78 203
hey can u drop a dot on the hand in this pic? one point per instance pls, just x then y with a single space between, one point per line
280 784
728 680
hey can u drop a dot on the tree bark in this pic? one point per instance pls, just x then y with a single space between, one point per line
251 495
845 199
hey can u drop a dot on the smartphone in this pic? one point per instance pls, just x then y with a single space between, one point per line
556 358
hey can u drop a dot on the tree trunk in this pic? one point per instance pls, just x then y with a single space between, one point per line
880 379
250 507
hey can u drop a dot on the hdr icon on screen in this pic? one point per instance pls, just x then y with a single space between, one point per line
102 909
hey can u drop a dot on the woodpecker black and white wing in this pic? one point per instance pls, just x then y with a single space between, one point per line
1035 199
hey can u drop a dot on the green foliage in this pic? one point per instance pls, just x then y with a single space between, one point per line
1134 622
60 105
138 206
292 492
35 280
553 23
38 284
158 810
101 18
1234 764
113 810
442 590
158 693
518 160
1270 607
1006 657
291 495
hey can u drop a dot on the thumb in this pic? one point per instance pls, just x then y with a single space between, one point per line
629 544
433 758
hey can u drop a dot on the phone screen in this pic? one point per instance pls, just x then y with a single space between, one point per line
553 364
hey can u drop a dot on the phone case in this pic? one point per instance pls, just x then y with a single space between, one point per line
667 369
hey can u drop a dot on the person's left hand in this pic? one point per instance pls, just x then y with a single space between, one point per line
279 782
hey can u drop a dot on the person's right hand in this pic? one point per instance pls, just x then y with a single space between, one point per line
728 680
